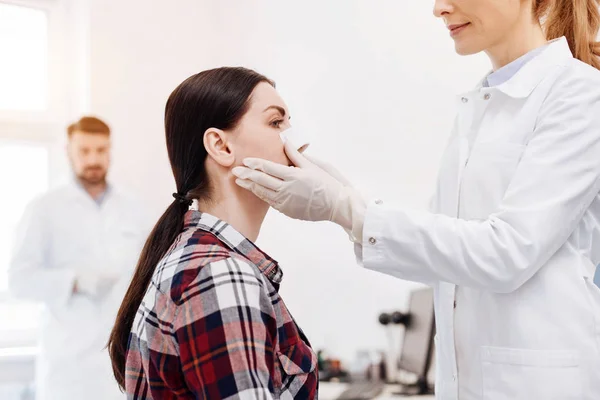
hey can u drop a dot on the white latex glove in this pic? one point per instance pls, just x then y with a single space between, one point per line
330 169
310 191
95 283
351 212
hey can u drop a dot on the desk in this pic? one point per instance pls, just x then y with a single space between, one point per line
331 391
17 365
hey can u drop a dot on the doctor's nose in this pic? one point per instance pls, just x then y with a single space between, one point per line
92 159
442 8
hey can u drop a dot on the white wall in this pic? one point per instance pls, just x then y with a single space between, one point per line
373 82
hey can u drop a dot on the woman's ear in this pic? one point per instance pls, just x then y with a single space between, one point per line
218 148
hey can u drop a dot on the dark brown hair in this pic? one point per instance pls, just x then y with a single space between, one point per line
217 98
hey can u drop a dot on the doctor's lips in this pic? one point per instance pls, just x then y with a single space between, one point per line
455 29
94 170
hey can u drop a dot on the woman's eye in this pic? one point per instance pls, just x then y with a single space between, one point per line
277 123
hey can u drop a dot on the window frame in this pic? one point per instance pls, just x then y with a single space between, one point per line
67 96
58 88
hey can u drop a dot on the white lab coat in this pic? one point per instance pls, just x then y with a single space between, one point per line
513 238
62 232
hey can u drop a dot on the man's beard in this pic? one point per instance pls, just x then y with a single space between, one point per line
93 176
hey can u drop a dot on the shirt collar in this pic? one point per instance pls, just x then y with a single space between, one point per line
503 74
557 53
101 198
235 241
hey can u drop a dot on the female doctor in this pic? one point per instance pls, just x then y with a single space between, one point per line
513 235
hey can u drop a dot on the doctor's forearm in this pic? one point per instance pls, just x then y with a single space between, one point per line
43 285
422 246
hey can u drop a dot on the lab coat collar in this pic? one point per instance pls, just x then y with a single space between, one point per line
79 190
235 241
557 53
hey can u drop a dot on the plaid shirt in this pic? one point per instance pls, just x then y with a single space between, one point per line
213 326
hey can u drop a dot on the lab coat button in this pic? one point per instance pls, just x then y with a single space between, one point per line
372 240
454 377
378 202
487 96
464 100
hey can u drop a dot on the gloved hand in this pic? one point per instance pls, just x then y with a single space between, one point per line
351 211
94 282
310 191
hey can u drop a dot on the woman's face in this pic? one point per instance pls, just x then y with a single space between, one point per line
257 133
478 25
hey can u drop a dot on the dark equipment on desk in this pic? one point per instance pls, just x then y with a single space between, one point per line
396 318
331 369
417 348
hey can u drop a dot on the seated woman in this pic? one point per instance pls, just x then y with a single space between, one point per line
202 318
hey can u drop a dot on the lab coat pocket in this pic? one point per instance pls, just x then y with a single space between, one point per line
490 170
126 246
525 374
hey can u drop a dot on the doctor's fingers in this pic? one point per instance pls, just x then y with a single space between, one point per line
330 169
297 158
267 195
258 177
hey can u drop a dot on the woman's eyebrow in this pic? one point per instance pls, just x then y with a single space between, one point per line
280 109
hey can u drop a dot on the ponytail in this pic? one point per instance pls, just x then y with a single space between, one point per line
578 21
158 243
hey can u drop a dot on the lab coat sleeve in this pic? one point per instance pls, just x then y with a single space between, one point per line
358 251
28 275
554 184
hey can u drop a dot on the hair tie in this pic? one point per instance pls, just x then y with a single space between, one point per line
182 199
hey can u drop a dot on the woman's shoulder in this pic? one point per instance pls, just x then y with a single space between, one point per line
199 263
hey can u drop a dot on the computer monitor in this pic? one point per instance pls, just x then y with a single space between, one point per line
417 348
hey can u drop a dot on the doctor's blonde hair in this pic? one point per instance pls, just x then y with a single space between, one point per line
577 20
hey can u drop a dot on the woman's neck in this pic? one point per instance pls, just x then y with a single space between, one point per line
524 38
239 208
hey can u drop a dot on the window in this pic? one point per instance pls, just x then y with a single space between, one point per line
24 66
38 58
38 49
24 172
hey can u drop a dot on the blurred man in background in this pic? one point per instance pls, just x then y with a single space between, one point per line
75 252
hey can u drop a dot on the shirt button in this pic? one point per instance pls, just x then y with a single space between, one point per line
454 377
464 100
372 240
487 96
378 202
